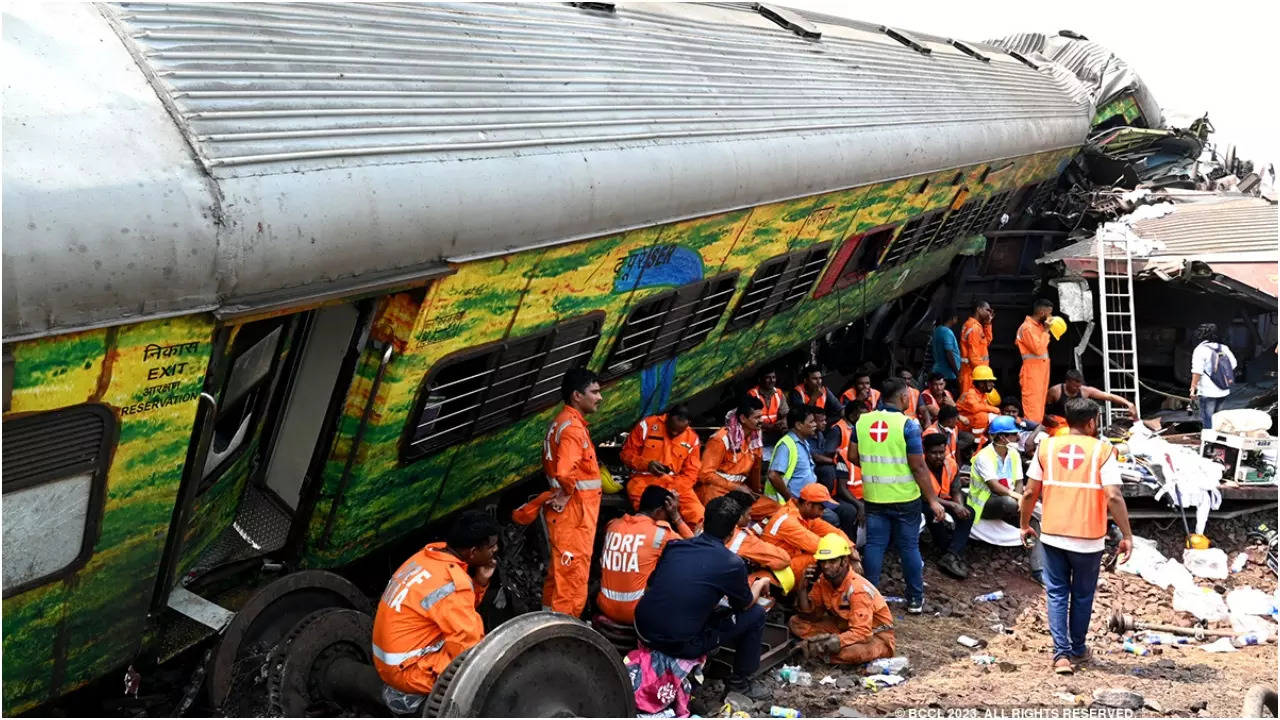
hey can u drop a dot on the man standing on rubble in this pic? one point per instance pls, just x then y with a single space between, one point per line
975 338
894 479
841 616
1033 343
1078 478
1212 372
569 461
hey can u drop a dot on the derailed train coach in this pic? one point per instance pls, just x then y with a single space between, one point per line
284 283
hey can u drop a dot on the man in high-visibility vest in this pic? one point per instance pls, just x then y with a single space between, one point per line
663 450
813 391
996 482
569 461
632 546
947 541
976 410
1078 479
1033 344
773 414
862 392
731 457
841 616
792 465
975 338
894 479
427 614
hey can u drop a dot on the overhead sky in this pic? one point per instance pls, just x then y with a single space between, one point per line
1217 57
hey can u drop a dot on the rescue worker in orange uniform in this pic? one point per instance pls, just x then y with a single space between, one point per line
862 392
773 415
798 525
848 475
663 450
841 617
569 461
427 614
912 407
1033 343
949 542
732 457
947 424
746 541
814 392
976 411
632 546
975 338
1078 478
933 398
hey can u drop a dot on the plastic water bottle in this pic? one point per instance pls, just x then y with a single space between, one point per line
888 666
990 597
1154 638
1246 639
1136 649
779 711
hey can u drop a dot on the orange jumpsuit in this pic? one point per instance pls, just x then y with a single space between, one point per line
569 460
855 611
975 338
747 544
632 546
426 617
1033 343
797 536
872 401
952 437
725 468
854 472
975 412
647 442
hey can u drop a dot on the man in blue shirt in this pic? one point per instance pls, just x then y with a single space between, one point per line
787 477
698 599
946 350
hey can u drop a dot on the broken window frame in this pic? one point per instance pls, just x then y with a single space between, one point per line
845 270
496 373
673 322
778 285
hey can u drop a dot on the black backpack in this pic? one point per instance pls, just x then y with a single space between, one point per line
1221 370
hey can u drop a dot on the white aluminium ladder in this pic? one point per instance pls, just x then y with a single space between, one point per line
1119 335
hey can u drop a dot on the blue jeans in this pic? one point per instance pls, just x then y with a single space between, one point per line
900 523
1209 406
844 516
1070 579
947 539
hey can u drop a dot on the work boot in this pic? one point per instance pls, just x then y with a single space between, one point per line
953 566
915 607
752 690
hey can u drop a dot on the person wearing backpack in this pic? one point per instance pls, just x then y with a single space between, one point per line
1213 370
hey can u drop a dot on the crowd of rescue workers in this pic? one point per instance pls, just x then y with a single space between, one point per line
773 508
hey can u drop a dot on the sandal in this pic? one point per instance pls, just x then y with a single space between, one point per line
1063 666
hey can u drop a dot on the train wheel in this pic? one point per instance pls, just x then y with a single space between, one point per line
541 664
266 618
323 667
1259 702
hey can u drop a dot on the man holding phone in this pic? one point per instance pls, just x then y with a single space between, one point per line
663 450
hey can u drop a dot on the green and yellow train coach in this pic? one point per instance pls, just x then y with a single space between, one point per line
285 283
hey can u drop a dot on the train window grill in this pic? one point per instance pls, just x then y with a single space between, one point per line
956 224
778 285
54 476
470 394
914 239
991 213
670 323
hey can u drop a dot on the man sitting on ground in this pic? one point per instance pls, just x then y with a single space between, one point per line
823 451
663 450
862 392
950 542
680 614
797 526
731 458
427 615
976 410
792 465
747 543
840 614
632 546
933 398
948 424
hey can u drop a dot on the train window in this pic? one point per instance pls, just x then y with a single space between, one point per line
956 225
991 213
858 255
660 327
252 355
778 285
54 477
470 393
914 240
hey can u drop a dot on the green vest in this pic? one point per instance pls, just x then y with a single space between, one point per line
886 476
979 492
793 455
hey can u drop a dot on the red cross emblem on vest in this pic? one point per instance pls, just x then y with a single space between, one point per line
1071 457
879 430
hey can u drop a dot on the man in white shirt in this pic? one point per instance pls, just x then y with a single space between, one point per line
1203 362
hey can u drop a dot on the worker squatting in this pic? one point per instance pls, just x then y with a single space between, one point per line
720 536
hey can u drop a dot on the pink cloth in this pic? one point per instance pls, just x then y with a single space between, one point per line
736 434
661 681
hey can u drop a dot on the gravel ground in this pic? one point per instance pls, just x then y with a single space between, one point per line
1180 681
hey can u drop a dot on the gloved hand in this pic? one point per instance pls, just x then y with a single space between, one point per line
820 646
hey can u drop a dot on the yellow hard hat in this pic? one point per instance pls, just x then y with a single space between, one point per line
607 482
785 578
983 372
831 546
1196 541
993 397
1057 326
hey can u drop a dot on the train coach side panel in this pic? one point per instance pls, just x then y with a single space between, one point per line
73 626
